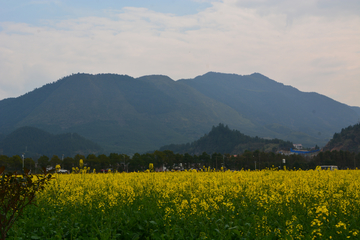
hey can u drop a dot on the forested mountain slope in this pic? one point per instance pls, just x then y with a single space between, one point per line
34 143
347 140
223 140
121 113
128 115
277 107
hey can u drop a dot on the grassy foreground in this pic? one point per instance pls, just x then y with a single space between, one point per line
265 204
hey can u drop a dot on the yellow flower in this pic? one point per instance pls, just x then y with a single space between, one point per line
341 224
57 168
151 167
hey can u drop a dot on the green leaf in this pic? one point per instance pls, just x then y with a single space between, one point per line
135 237
236 232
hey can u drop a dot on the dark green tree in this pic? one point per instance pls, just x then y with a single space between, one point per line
93 162
68 163
43 161
115 160
55 160
104 161
78 157
15 163
4 160
136 163
205 159
29 163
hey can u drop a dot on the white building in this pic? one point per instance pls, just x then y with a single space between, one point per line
298 146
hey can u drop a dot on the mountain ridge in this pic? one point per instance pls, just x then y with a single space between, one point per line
274 96
126 114
34 142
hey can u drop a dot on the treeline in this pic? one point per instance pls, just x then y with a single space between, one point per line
168 160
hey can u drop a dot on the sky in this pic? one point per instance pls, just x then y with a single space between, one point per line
312 45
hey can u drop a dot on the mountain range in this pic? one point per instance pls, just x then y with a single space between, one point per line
128 115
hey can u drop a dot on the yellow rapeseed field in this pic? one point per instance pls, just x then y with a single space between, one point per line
314 204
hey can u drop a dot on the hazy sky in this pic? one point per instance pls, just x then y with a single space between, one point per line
313 45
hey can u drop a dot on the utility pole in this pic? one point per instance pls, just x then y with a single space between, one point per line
254 161
354 161
259 160
23 157
125 164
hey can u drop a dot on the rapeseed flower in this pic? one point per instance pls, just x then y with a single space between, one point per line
287 196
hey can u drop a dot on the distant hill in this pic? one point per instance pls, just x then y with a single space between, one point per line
223 140
35 142
357 110
121 113
347 140
127 115
281 111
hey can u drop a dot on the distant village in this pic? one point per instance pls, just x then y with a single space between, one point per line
298 149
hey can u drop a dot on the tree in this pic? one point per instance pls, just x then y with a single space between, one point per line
248 160
104 161
4 160
43 161
68 163
115 160
93 162
217 159
169 158
188 160
148 158
15 163
205 159
29 163
136 163
160 159
55 160
16 193
78 157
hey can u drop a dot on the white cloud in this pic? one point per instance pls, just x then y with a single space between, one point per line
313 51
